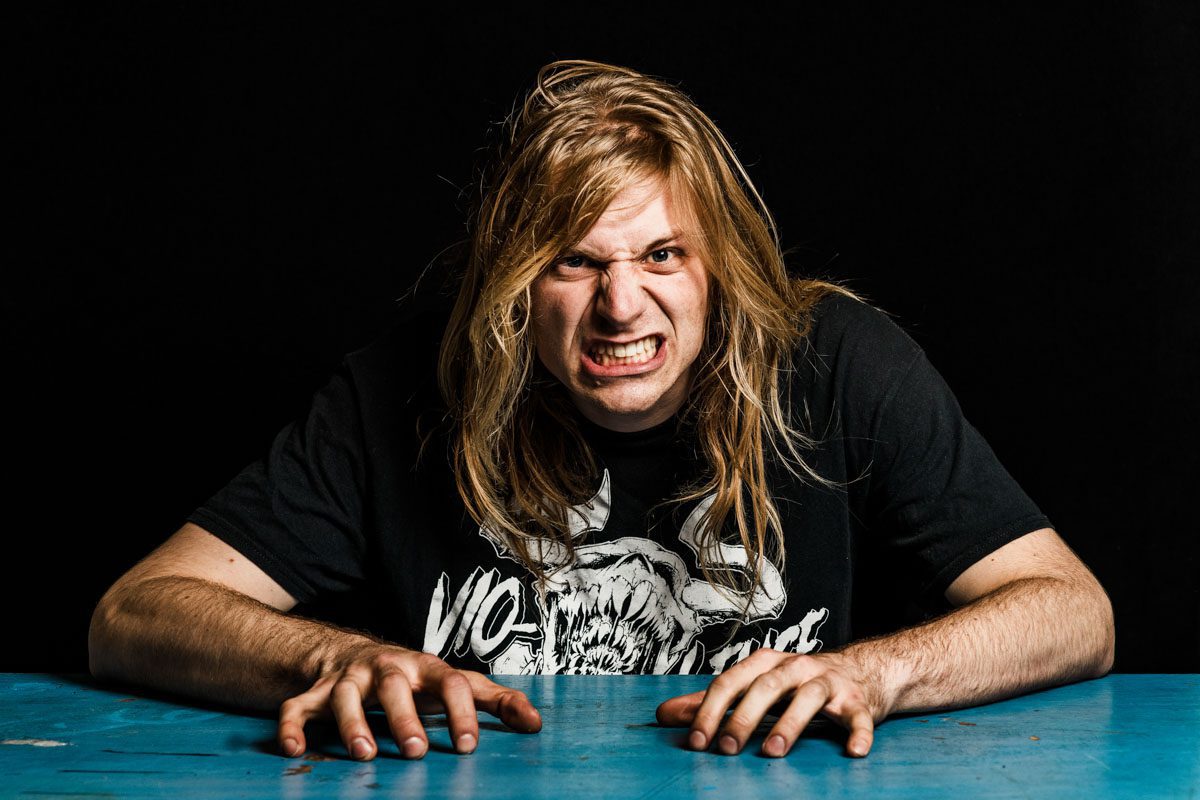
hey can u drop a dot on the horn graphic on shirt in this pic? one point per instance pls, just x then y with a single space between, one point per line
591 515
767 600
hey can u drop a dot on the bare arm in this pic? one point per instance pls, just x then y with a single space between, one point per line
204 640
197 618
173 622
1031 615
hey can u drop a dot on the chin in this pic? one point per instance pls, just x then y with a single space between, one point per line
627 409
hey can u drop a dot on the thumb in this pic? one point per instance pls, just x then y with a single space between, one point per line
510 706
679 711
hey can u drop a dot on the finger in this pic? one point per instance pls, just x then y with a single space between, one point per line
721 693
346 700
295 712
763 692
455 691
395 695
725 689
292 716
807 700
679 711
862 731
510 706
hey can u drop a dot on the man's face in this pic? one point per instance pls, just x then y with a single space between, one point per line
619 318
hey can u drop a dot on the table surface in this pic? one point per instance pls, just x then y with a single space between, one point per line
1120 736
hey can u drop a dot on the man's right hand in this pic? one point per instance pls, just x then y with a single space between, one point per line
191 618
404 683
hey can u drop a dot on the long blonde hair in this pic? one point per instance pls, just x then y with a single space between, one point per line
586 131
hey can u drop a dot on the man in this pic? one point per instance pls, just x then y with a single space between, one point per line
649 449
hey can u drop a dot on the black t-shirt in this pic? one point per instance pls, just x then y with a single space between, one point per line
340 507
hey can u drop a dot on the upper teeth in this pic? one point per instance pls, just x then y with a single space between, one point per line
630 349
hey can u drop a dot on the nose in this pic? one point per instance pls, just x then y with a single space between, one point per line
619 296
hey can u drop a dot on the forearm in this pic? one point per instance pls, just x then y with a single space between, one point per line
202 639
1031 633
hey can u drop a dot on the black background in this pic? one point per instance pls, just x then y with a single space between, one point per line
214 203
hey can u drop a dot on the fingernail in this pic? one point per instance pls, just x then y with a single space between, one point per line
360 747
729 745
466 743
774 746
697 740
290 747
414 747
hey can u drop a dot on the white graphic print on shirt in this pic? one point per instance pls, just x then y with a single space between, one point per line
625 606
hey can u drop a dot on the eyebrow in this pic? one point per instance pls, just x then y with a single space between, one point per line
650 248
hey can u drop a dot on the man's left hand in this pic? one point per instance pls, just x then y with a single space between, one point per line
794 686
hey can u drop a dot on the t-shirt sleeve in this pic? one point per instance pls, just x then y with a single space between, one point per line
936 486
297 511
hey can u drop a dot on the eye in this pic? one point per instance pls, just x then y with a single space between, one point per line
571 262
666 250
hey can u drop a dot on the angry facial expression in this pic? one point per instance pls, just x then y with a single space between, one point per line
619 319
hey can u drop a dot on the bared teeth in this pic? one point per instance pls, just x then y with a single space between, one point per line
637 352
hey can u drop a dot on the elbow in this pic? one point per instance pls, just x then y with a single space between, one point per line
1107 634
101 636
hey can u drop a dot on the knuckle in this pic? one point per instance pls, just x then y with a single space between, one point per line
772 682
321 686
789 726
455 681
410 726
849 707
355 671
740 721
392 678
345 682
386 660
291 707
351 732
428 661
811 689
822 683
796 669
404 723
510 698
721 682
350 724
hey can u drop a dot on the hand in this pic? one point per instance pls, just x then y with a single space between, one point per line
830 683
404 682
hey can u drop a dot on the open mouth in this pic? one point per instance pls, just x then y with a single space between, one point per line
643 351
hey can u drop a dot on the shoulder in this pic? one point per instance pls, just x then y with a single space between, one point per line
856 344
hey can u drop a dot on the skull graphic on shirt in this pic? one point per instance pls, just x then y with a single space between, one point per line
628 605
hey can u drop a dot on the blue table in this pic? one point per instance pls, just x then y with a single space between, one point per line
1120 736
